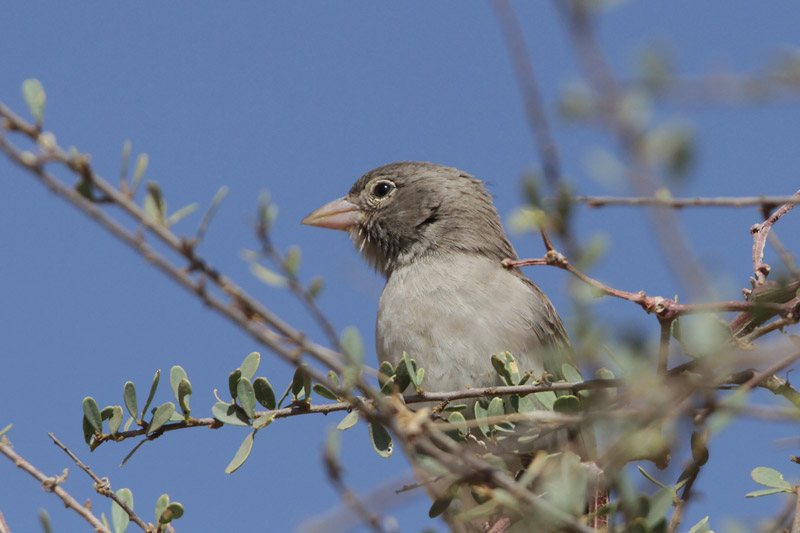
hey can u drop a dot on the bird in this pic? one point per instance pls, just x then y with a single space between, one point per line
449 301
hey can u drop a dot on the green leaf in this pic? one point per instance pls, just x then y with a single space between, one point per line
546 398
389 386
315 286
35 98
460 423
660 503
176 374
401 377
267 212
250 365
129 396
325 392
141 166
522 404
480 416
496 409
701 527
161 505
155 206
441 503
381 440
47 524
265 394
568 405
161 416
184 391
301 383
348 421
220 195
88 431
268 276
92 413
411 369
119 518
502 370
6 429
765 492
124 162
241 454
116 419
769 477
571 373
229 414
292 262
333 379
181 213
173 511
150 396
263 420
233 382
247 397
353 346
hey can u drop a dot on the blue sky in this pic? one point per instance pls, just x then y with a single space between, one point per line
301 99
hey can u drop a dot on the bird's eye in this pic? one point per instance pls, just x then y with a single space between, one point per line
382 189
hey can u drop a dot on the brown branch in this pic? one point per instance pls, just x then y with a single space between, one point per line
102 486
664 308
669 232
50 486
529 87
678 203
760 233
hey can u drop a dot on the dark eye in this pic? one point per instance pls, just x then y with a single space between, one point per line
382 189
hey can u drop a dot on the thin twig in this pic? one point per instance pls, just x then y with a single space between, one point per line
669 232
69 501
679 203
760 233
531 95
102 486
664 308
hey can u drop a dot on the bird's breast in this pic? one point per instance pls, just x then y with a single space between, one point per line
451 313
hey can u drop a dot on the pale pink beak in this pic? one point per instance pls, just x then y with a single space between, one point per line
338 214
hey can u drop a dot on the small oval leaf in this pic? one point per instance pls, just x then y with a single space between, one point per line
176 374
229 414
265 394
568 405
233 382
247 397
241 454
348 421
129 397
325 392
353 346
184 392
152 393
161 416
92 413
769 477
381 440
250 365
119 518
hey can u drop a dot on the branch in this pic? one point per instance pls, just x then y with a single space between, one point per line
679 203
760 233
102 486
50 484
663 308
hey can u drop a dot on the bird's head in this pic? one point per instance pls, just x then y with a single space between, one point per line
404 211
